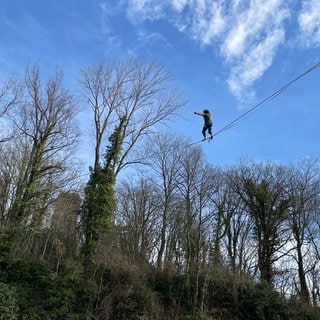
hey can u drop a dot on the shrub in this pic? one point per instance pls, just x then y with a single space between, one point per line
8 302
262 302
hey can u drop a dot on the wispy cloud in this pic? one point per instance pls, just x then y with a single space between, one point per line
246 34
251 43
208 21
178 5
139 10
256 60
309 22
111 38
251 26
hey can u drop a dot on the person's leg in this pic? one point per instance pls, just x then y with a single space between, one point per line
204 131
210 132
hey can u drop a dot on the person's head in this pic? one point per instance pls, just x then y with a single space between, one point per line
205 111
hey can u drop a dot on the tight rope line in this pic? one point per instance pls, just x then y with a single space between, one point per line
272 96
196 142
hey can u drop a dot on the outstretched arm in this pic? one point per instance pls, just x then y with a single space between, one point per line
198 113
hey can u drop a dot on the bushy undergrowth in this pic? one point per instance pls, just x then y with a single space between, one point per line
36 292
32 290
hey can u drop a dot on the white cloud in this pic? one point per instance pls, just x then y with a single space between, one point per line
251 43
178 5
208 22
253 65
155 38
309 22
252 24
139 10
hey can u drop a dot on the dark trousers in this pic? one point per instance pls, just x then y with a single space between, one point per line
205 128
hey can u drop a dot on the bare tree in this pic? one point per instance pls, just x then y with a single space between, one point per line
164 153
137 91
196 184
223 207
8 167
10 95
239 243
45 121
231 227
137 219
65 219
304 192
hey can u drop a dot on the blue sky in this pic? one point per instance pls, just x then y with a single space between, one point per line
224 55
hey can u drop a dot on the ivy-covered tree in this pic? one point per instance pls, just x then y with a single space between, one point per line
99 203
261 188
